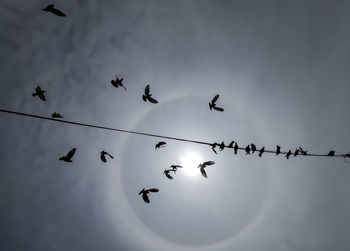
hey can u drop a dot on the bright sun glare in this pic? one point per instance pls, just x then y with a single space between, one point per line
190 162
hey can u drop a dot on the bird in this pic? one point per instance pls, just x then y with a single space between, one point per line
222 146
212 104
288 154
56 115
331 153
69 156
235 148
160 144
302 151
146 192
40 93
167 173
213 146
175 167
247 150
148 96
203 165
296 153
253 147
103 156
278 150
231 144
118 82
53 10
261 151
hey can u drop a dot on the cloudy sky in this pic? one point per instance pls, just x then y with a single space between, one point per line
282 71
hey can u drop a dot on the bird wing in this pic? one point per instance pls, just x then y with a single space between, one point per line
208 163
71 153
153 190
161 143
58 12
168 176
110 156
141 191
103 157
145 197
42 96
152 100
178 166
147 90
144 98
218 109
114 83
203 172
215 99
38 89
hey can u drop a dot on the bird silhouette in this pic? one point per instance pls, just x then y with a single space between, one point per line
231 144
302 151
204 165
160 144
213 146
148 96
103 156
56 115
167 173
212 104
261 151
146 192
40 93
175 167
278 150
118 82
288 154
69 156
235 148
222 146
247 150
53 10
253 147
296 153
331 153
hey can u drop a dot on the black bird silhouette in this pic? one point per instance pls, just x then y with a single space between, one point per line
231 144
167 173
69 156
204 165
253 147
40 93
296 153
247 150
103 156
56 115
212 104
235 148
146 192
118 82
175 167
53 10
160 144
288 154
213 146
148 96
302 151
331 153
278 150
222 146
261 151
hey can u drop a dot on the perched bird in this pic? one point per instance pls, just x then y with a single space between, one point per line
288 154
40 93
231 144
213 146
103 156
302 151
53 10
235 148
148 96
247 150
253 147
56 115
278 150
222 146
146 192
118 82
296 153
160 144
212 104
69 156
331 153
167 173
175 167
202 166
261 151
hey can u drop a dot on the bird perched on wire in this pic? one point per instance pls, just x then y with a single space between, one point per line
331 153
103 156
278 150
212 104
231 144
40 93
167 173
288 154
253 147
213 146
261 151
118 82
296 153
69 156
160 144
302 151
222 146
175 167
204 165
146 192
247 150
235 148
53 10
56 115
148 96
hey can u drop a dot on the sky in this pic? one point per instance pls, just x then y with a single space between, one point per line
281 69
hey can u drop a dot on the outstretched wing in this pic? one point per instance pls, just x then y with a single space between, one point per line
218 109
58 12
38 89
114 83
145 197
203 172
161 143
215 99
71 153
42 96
168 176
103 157
144 98
147 90
153 190
178 166
208 163
152 100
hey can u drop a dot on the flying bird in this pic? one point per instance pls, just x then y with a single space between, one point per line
40 93
148 96
103 156
118 82
56 115
146 192
261 151
247 150
253 147
167 173
288 154
212 104
175 167
235 148
160 144
331 153
278 150
69 156
204 165
53 10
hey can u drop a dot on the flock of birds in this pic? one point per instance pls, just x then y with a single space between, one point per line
147 96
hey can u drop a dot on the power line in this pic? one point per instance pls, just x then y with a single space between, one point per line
213 145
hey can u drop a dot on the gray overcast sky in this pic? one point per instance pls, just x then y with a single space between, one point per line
282 71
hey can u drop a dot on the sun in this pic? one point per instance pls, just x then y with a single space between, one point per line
190 162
